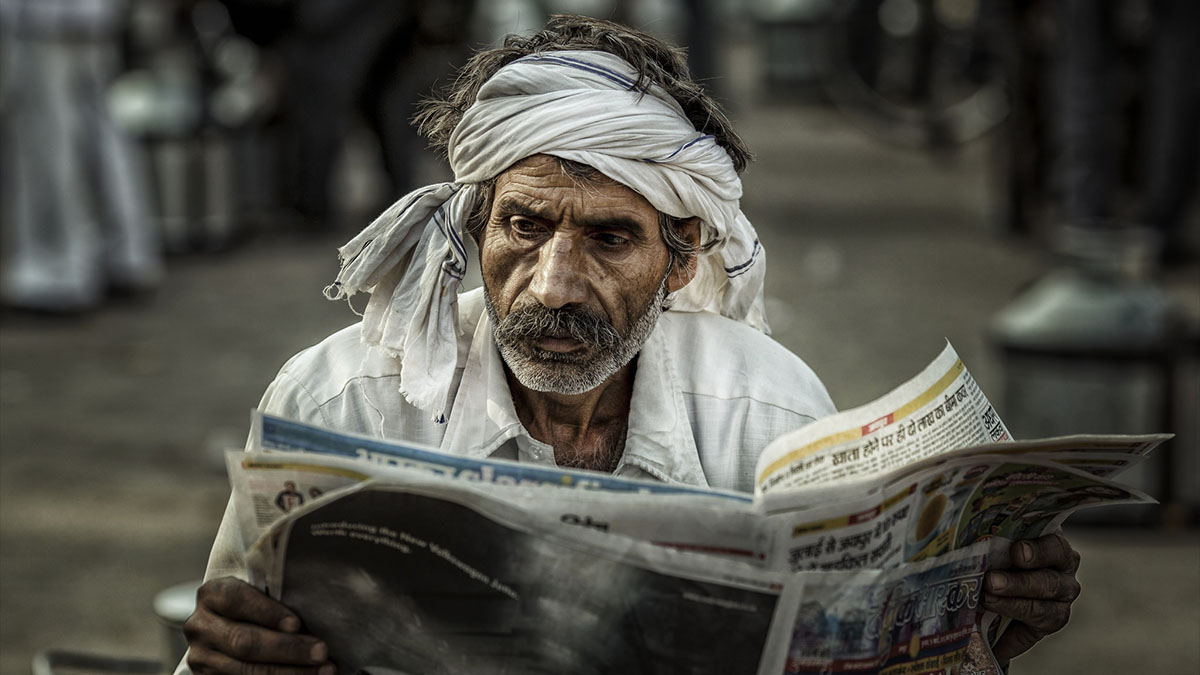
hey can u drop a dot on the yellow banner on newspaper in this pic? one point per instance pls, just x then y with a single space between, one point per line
853 518
900 413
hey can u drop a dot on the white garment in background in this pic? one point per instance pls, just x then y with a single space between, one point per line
77 212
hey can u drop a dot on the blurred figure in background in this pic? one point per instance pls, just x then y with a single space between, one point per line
1089 97
1099 341
375 57
76 210
1105 292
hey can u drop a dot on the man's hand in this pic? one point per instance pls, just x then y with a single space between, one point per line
237 629
1036 592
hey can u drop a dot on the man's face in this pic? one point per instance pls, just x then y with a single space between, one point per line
575 275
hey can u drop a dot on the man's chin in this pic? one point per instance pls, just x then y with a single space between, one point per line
554 372
554 381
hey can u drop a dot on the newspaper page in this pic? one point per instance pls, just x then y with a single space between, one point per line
871 526
425 580
898 526
429 580
941 509
917 619
1102 464
862 550
1104 455
940 409
269 485
270 433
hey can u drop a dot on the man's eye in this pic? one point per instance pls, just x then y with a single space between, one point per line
524 228
609 240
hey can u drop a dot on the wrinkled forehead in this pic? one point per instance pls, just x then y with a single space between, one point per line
549 187
560 169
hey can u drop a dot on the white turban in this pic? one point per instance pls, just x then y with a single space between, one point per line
581 106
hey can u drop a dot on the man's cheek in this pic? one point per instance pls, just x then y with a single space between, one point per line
503 282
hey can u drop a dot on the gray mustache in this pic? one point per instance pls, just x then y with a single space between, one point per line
538 321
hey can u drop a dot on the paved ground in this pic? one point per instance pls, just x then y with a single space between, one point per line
111 425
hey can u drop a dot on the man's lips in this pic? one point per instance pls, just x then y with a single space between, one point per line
562 345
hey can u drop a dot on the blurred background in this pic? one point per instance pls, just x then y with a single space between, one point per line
1016 176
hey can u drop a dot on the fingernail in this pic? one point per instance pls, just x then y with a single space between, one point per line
327 669
319 652
290 624
997 581
1025 551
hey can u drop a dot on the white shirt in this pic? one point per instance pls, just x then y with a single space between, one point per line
709 394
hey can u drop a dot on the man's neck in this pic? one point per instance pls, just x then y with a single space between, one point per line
586 430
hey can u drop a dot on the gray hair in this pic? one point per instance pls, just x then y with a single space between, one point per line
654 60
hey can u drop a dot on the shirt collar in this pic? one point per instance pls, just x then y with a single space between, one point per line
659 440
483 416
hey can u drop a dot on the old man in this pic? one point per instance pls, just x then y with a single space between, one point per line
620 325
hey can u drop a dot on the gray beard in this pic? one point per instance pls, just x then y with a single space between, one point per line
559 373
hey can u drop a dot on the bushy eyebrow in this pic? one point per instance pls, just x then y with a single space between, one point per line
629 226
511 204
514 205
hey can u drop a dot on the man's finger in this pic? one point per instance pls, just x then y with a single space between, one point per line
1039 584
1051 551
235 599
1046 616
250 643
256 644
237 620
204 661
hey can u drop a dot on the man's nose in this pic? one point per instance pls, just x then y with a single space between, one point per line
560 277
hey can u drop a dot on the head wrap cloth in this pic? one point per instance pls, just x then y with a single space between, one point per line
577 105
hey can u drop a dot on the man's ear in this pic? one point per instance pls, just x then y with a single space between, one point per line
688 229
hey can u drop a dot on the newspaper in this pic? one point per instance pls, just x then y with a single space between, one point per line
921 618
268 432
855 515
433 579
939 410
936 511
267 486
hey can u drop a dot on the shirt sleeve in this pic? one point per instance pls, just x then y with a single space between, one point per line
285 397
